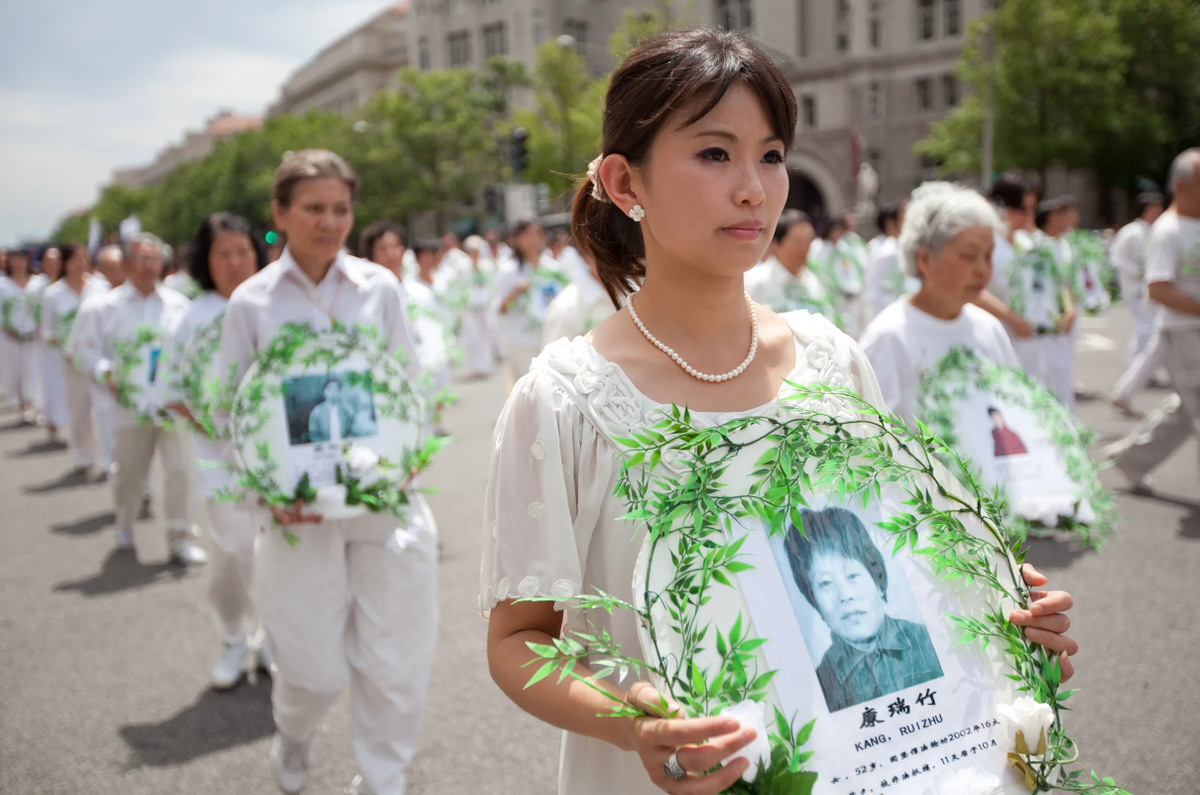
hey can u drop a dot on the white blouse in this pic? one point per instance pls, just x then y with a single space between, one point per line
58 301
208 308
554 467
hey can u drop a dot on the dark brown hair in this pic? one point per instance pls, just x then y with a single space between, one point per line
371 235
310 164
662 75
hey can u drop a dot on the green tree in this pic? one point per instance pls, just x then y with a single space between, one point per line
565 123
428 145
637 26
1164 40
1059 88
114 205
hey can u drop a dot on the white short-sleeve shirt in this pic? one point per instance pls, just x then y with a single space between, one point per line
1173 255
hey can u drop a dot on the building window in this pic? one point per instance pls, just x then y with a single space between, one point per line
423 59
578 30
457 7
875 25
495 40
926 20
539 28
924 94
950 91
808 111
843 25
735 14
875 106
953 11
458 46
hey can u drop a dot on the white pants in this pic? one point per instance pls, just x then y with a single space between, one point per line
233 528
79 414
1145 354
348 603
1177 419
477 341
17 371
54 390
135 446
1050 360
103 410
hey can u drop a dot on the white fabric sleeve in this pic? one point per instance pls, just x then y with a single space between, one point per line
237 349
86 345
549 475
1164 254
49 319
883 355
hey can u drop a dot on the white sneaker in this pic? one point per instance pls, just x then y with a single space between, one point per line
265 661
289 763
228 670
188 553
359 786
124 540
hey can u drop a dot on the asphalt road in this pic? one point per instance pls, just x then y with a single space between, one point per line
104 660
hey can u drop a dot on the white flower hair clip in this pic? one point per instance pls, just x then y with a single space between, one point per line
593 173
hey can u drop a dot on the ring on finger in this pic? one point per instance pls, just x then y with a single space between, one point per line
673 769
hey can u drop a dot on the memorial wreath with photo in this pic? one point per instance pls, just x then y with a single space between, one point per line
818 573
136 364
331 419
1012 434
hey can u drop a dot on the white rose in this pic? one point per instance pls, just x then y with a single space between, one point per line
751 714
971 781
360 460
1028 721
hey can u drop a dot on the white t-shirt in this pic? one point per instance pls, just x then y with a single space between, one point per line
772 285
1173 255
902 343
1128 250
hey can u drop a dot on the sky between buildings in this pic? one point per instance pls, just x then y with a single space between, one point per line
90 85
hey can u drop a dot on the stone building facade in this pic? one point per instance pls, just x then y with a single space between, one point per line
346 74
194 146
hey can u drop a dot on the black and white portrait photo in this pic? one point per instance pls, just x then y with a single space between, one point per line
868 633
328 408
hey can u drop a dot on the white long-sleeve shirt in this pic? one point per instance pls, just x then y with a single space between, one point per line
58 301
115 317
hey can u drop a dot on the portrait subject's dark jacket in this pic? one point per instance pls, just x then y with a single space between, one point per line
903 657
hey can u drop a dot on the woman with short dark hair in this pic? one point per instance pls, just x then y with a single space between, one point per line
224 253
18 370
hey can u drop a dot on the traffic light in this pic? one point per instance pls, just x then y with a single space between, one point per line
520 152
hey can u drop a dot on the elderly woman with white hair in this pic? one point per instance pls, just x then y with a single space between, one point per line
947 242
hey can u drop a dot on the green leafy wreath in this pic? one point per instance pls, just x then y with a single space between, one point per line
190 377
66 322
1041 260
127 358
689 517
247 405
8 314
949 381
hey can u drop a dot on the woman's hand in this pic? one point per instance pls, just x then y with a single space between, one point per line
1021 327
1068 318
295 515
1045 620
520 288
700 744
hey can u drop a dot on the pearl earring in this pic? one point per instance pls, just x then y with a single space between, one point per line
637 213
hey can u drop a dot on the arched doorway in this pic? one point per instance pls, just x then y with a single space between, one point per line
803 194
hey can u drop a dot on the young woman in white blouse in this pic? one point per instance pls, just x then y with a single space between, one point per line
223 254
947 242
520 326
60 304
691 181
353 600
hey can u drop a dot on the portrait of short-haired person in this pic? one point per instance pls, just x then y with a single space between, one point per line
331 420
842 574
1005 441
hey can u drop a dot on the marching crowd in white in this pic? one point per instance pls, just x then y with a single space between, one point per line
1004 274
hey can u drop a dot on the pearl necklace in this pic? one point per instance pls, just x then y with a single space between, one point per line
692 371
